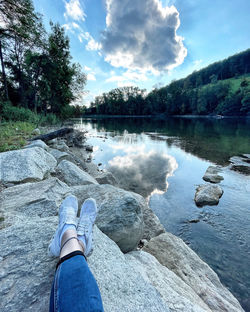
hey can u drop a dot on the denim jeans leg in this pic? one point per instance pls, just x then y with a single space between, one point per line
75 288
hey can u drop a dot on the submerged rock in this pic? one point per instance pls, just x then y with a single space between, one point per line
73 175
120 214
241 164
211 175
26 165
208 194
173 253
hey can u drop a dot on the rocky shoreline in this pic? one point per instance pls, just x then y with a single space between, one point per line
137 264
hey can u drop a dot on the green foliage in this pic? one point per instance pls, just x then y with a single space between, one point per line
12 113
216 89
13 135
40 75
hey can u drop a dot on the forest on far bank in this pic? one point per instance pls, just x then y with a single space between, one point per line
222 88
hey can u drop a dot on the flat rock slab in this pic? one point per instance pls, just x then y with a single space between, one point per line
241 164
73 175
34 199
120 213
173 253
211 175
208 194
26 165
26 272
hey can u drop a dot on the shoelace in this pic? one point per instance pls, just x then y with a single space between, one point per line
83 226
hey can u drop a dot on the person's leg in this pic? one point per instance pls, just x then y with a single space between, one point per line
74 288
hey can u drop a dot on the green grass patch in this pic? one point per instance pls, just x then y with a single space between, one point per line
13 135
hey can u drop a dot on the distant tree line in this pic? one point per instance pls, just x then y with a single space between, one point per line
36 68
221 88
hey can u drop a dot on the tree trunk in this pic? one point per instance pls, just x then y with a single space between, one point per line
3 73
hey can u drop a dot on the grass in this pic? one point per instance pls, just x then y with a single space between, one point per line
13 135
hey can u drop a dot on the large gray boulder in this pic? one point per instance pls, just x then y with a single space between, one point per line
122 287
73 175
208 194
26 165
120 213
211 175
26 272
173 253
34 199
152 224
177 295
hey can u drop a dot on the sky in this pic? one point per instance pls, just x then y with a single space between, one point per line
147 43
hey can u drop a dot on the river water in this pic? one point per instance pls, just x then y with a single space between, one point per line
164 161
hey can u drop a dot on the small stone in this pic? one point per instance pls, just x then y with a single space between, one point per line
36 131
207 194
89 148
211 175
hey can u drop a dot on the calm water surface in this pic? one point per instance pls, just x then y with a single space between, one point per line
164 161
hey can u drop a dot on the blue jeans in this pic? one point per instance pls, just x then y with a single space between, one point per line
74 288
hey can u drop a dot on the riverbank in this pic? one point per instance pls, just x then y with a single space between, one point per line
156 276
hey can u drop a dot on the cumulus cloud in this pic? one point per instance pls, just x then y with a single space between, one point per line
91 76
74 10
143 172
142 35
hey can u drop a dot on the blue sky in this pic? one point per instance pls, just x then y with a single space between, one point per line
147 43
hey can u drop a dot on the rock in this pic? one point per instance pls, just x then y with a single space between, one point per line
89 148
211 175
26 272
193 221
26 165
38 143
59 156
73 175
59 145
175 293
173 253
152 224
106 178
122 287
34 199
36 131
120 213
241 164
207 194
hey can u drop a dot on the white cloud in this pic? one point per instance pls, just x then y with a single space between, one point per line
74 10
93 45
87 68
128 78
143 172
142 37
91 76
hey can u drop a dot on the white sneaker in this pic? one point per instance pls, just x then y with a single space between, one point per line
85 225
67 215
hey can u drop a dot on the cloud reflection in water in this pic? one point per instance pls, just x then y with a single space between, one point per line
142 172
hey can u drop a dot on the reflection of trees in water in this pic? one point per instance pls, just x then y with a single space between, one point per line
213 139
143 172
